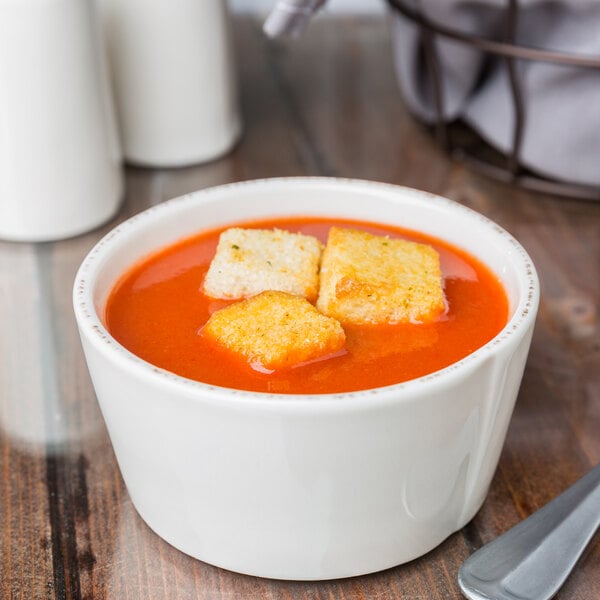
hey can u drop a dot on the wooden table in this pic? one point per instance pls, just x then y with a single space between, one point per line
327 104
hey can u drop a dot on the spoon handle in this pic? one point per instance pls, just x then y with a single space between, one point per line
532 560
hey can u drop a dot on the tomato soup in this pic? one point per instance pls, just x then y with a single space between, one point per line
157 310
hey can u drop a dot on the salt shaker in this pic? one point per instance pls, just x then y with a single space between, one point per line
173 72
60 171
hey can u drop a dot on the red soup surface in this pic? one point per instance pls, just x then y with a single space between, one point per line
157 309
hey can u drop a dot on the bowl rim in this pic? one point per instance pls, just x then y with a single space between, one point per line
91 326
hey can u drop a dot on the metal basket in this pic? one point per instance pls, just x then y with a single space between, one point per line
460 140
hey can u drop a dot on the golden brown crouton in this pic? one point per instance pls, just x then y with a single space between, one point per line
371 279
250 261
275 330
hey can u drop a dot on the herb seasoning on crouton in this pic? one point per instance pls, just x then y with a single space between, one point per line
275 330
250 261
373 279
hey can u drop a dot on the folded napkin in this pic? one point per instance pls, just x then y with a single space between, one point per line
561 138
562 103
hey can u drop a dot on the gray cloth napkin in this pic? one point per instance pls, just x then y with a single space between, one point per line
562 103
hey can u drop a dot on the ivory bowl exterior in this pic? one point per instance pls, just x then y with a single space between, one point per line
297 486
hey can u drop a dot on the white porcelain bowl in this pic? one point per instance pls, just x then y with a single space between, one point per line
295 486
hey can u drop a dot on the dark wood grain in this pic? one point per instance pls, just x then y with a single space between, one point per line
326 104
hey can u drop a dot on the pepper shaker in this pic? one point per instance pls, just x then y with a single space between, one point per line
173 72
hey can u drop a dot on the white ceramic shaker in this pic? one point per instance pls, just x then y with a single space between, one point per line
60 171
174 78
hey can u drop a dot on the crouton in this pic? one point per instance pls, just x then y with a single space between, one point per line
250 261
371 279
275 330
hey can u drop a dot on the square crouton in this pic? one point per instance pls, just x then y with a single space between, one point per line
275 330
372 279
250 261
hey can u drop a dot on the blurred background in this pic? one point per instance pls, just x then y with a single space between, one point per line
326 103
333 6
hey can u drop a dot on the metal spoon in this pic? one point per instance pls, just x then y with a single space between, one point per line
532 560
